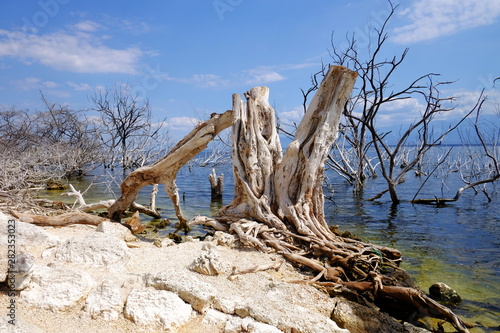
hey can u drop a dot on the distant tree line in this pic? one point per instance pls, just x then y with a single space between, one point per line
117 131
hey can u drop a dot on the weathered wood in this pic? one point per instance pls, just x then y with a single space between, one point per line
59 220
278 200
299 177
216 185
165 170
273 189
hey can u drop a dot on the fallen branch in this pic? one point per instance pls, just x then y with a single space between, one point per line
165 170
106 204
59 220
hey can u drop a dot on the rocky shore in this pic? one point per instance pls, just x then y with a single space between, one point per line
103 279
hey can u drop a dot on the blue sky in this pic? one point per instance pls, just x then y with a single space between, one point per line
189 57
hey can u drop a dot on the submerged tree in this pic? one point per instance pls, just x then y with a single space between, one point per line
363 149
480 164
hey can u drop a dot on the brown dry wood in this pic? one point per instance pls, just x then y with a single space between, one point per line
409 296
59 220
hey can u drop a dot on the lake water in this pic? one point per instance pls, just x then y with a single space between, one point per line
457 244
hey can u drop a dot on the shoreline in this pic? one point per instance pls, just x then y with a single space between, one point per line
88 261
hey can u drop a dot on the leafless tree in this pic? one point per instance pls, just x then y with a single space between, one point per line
480 164
50 144
127 131
363 149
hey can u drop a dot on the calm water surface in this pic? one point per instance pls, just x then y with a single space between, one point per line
457 244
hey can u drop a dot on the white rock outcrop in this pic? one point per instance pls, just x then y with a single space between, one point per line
117 230
157 308
208 262
23 269
57 288
105 301
198 293
95 250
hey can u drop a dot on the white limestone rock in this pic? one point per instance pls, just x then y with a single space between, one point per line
208 263
192 290
24 238
286 316
249 325
94 250
117 230
105 301
215 318
22 270
28 236
157 308
57 288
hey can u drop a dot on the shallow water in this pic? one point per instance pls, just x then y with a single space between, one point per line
457 244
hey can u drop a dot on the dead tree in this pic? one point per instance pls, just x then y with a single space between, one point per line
278 200
485 168
216 185
165 170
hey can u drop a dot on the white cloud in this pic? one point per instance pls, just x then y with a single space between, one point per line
31 83
431 19
88 26
201 80
76 52
182 123
79 86
261 76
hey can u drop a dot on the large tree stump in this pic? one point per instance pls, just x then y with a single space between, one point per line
285 192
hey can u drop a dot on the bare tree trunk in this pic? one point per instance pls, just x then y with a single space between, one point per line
278 200
216 185
285 192
165 170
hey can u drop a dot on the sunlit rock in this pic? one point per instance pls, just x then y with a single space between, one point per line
157 308
444 293
95 250
105 301
208 262
57 288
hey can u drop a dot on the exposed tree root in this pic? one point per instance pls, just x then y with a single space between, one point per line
238 271
407 296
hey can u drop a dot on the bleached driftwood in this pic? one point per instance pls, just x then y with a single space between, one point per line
165 170
259 268
106 204
216 185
